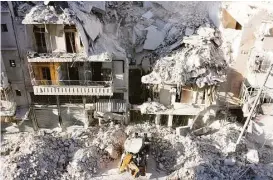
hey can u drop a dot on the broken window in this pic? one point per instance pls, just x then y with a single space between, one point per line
46 73
70 42
12 63
18 92
96 71
70 38
40 39
4 28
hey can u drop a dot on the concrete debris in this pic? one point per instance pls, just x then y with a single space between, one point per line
23 9
84 153
77 154
252 156
151 107
189 31
204 157
200 62
148 15
153 39
42 14
230 162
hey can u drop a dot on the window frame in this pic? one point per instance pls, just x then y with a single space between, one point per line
11 62
4 28
18 92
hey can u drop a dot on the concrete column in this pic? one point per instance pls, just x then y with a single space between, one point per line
157 119
126 118
100 121
190 122
59 111
86 119
170 121
194 96
173 95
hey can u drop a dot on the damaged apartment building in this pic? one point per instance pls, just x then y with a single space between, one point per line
67 87
73 60
188 80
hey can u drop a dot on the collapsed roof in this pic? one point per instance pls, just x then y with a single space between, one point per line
199 61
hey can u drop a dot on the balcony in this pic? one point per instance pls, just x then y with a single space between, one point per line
72 87
66 78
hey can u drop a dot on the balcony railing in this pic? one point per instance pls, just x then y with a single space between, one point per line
71 83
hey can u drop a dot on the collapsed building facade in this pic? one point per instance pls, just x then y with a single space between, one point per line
77 59
65 81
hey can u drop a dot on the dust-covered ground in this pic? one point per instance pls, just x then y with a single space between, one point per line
94 153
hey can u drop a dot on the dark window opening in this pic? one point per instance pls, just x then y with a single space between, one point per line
18 92
46 73
4 28
177 97
96 71
73 73
70 42
40 39
118 96
106 74
12 63
42 99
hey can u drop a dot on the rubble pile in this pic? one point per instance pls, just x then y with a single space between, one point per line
200 61
151 107
208 156
41 14
67 155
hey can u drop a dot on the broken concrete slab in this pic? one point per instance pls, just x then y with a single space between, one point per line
230 162
98 6
189 31
148 15
182 131
253 156
153 39
159 24
112 152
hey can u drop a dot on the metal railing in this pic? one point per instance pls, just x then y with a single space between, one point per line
71 83
247 92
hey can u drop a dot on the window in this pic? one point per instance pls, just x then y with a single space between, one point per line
46 73
4 28
12 63
70 42
70 38
40 39
18 92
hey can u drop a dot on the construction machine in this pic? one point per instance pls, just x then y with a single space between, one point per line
134 158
